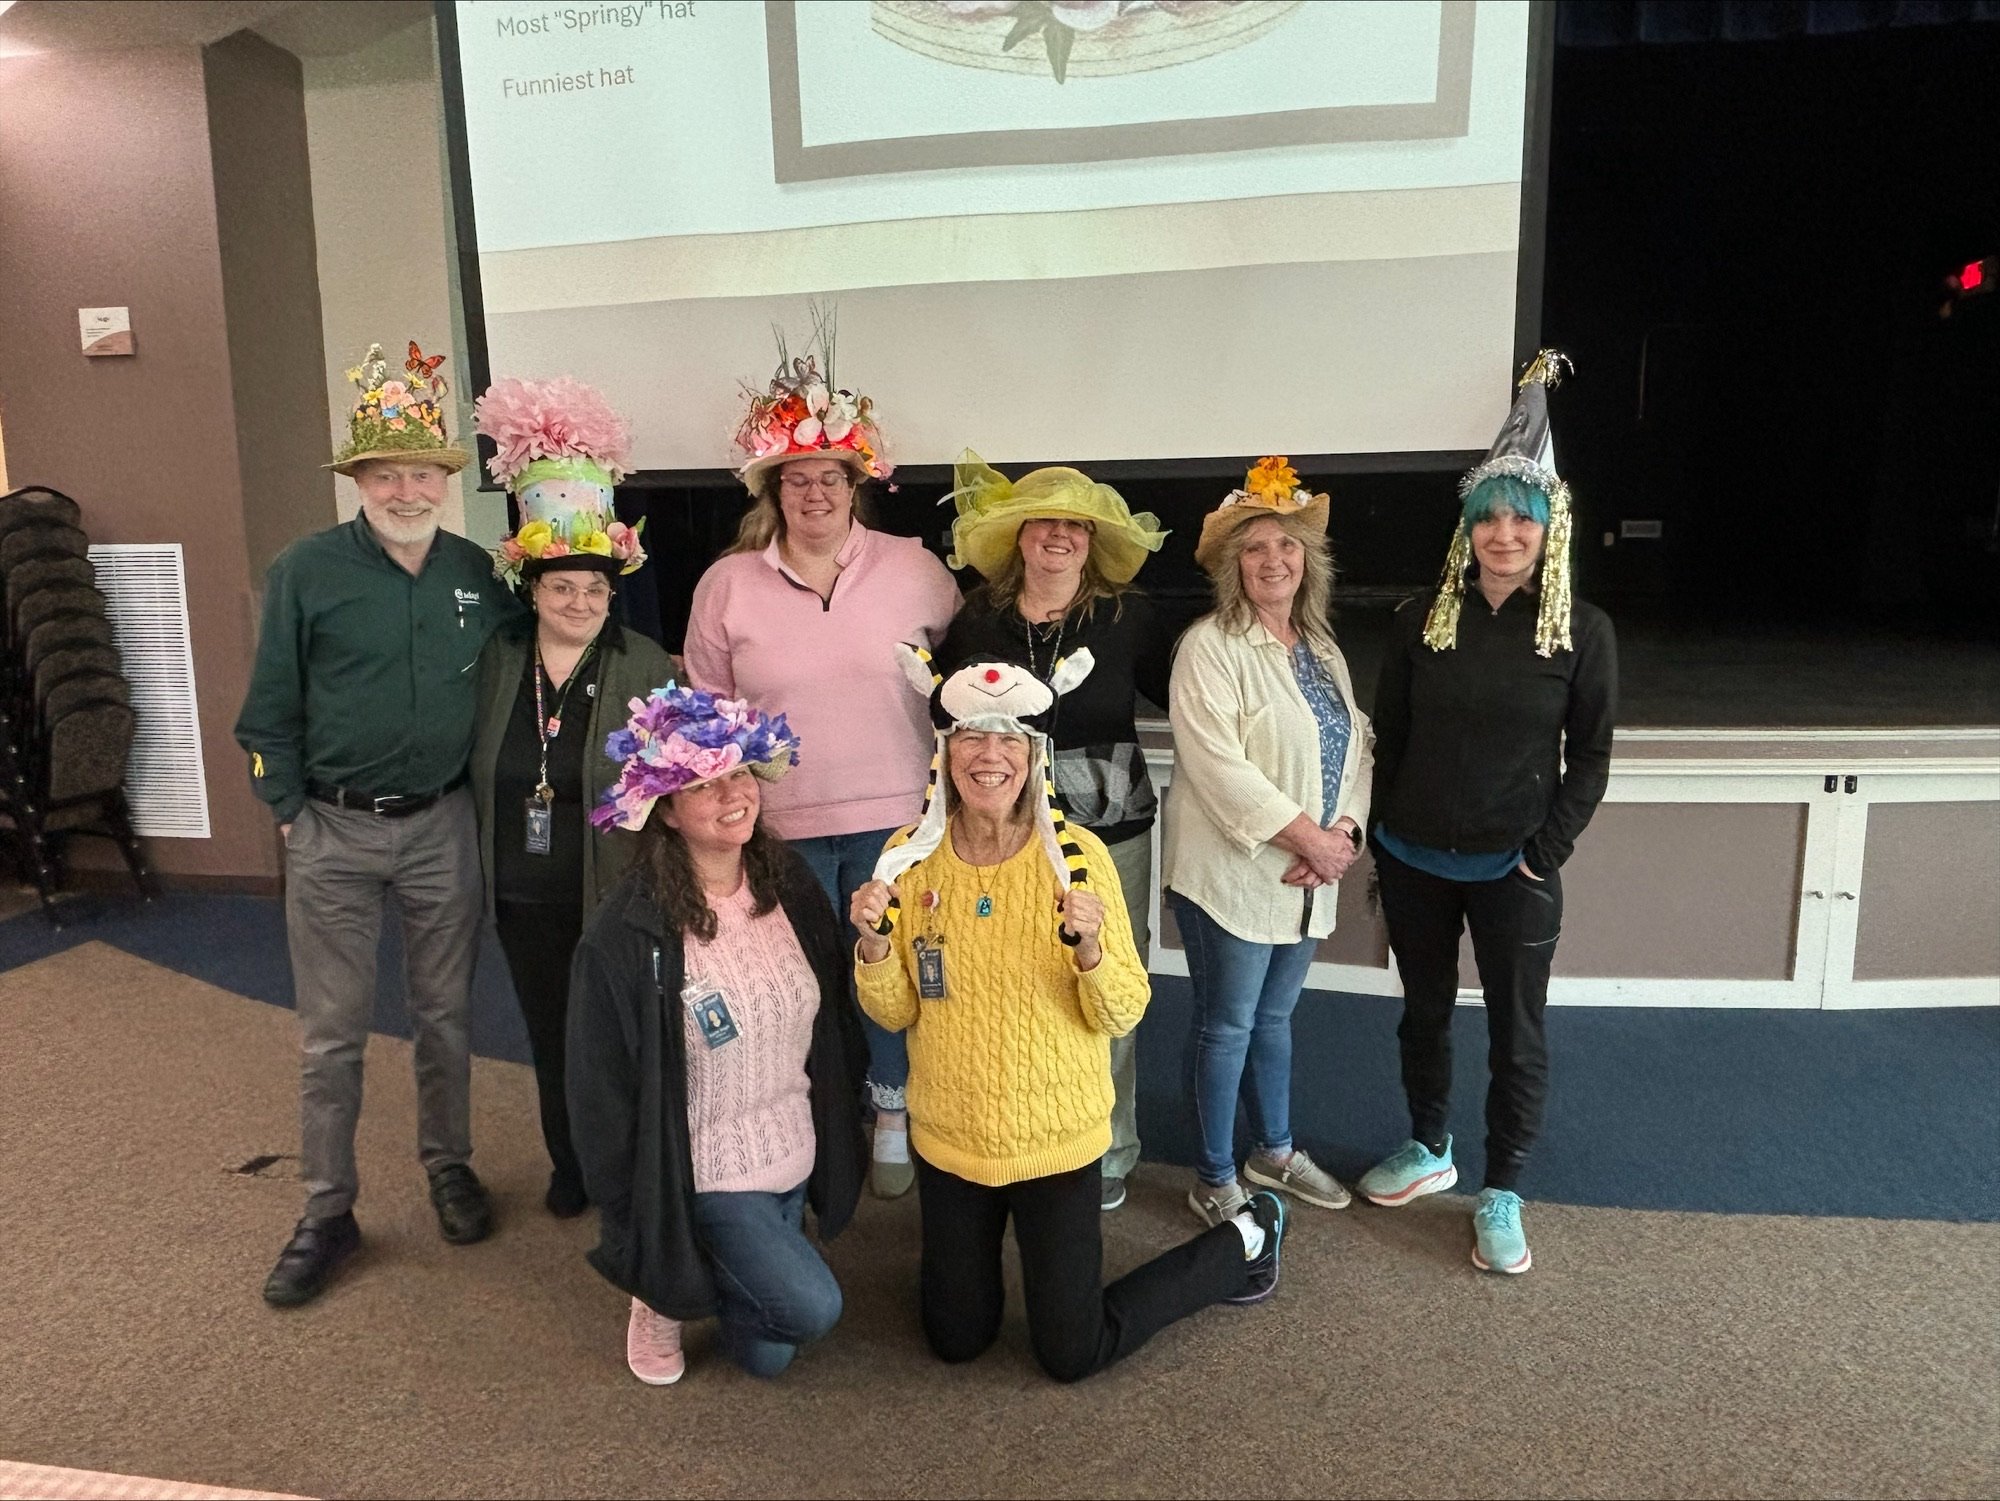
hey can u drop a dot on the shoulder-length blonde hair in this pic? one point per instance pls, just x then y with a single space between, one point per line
1002 592
1311 606
766 517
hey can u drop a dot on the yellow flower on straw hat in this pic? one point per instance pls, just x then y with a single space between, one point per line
992 508
1271 488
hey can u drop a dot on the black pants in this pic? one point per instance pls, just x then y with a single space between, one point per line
1076 1325
538 939
1515 922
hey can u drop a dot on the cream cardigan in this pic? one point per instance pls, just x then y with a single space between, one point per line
1246 763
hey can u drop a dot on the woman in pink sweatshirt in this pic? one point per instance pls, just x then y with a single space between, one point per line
804 612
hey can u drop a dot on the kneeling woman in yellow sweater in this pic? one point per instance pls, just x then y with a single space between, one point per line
998 939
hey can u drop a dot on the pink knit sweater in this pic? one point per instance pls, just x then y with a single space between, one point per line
749 1106
829 666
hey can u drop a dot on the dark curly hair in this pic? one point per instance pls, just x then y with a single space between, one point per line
671 880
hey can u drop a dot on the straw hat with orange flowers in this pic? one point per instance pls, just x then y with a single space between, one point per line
1271 488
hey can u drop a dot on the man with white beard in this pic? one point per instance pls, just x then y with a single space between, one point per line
358 724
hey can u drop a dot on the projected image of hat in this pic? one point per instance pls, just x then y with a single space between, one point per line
804 415
1271 488
398 417
992 509
561 449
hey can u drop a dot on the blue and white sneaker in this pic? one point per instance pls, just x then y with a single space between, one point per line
1268 1210
1499 1244
1409 1172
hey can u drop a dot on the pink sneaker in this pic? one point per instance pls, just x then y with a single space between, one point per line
653 1347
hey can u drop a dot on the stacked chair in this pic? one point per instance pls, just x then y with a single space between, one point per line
66 718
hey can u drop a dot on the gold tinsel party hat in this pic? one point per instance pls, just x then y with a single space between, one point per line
1525 450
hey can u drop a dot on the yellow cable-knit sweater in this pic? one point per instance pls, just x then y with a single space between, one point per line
1010 1074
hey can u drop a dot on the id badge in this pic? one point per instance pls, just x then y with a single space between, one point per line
541 826
711 1014
930 972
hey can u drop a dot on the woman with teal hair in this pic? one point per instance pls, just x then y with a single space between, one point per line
1493 721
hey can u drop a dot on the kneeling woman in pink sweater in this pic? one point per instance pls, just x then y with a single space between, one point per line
715 1053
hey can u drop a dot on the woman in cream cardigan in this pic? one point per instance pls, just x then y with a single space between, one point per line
1264 816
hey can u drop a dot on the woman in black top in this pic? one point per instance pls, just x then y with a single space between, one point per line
1493 721
569 672
1058 552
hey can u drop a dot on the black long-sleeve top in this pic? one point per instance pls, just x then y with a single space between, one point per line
1489 747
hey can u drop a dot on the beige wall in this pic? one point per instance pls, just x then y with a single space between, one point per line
381 211
117 207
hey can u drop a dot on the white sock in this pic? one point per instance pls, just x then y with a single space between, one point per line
1252 1233
892 1146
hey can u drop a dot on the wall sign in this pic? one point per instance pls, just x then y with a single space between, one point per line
106 330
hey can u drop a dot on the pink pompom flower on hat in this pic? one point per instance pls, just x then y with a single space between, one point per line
551 419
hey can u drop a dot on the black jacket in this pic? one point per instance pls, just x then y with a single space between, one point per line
627 1084
1488 747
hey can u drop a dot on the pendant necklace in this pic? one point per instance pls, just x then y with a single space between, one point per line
1055 649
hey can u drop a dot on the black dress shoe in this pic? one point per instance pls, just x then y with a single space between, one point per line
307 1263
566 1198
464 1212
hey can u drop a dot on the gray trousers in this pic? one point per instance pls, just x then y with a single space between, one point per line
1134 859
340 863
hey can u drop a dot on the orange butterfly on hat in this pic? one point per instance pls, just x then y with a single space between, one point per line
424 370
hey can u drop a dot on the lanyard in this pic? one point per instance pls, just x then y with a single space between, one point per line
548 726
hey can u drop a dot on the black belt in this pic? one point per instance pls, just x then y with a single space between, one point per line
394 806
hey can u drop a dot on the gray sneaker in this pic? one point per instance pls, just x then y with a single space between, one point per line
1298 1176
1213 1205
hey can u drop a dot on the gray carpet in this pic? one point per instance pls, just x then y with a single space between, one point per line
1646 1354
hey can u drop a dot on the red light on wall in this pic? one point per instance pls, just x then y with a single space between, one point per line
1972 276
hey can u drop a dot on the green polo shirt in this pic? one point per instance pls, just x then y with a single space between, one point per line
365 674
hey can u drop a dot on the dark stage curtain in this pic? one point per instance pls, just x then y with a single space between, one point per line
1619 23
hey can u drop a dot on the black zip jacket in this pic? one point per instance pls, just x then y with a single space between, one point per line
627 1081
1489 747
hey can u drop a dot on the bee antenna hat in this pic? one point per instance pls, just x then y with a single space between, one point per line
1003 696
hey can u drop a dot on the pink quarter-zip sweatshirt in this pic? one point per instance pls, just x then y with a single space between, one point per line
757 632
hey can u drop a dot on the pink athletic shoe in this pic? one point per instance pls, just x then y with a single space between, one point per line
653 1347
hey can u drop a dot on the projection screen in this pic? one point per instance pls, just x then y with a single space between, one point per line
1100 230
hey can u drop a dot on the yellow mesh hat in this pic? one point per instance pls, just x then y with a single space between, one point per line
991 509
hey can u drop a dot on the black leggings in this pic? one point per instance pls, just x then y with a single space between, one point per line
1515 923
1076 1325
538 939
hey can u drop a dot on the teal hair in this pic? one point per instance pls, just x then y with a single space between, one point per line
1506 492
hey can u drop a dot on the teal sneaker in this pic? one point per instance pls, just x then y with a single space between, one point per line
1498 1243
1409 1172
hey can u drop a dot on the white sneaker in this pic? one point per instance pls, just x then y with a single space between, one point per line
653 1347
1299 1176
1213 1204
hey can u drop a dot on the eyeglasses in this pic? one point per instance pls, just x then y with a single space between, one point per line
596 594
826 484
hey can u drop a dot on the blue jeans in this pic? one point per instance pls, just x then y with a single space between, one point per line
1244 996
776 1292
841 863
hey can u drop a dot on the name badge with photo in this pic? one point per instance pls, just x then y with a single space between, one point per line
930 971
711 1014
541 826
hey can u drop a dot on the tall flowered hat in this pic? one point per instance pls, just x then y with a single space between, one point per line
398 417
1525 450
804 415
561 449
1004 696
677 737
991 509
1271 488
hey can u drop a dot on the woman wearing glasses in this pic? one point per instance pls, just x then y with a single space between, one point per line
804 613
551 688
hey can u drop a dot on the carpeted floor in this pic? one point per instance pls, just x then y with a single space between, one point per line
1668 1354
1738 1111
